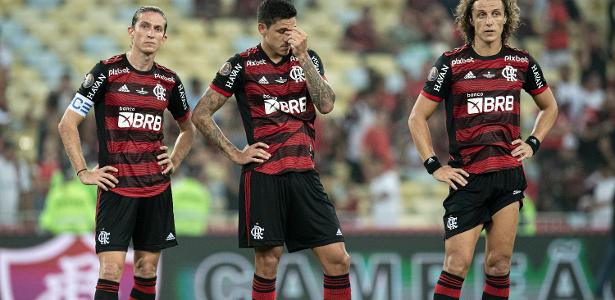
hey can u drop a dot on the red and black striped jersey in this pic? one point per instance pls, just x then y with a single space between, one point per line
129 106
482 101
275 106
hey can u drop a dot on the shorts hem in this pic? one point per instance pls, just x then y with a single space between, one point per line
111 248
261 244
155 248
314 244
450 234
507 202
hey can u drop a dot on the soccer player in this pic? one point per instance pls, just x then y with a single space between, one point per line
129 93
279 85
480 83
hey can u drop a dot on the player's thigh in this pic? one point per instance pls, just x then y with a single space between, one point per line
155 226
332 256
111 264
501 233
459 251
262 211
115 221
312 220
146 262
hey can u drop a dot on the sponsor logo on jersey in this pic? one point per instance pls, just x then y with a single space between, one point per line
537 76
129 119
160 76
94 87
253 63
440 79
461 60
225 69
316 63
510 73
142 91
478 105
118 71
232 76
292 106
515 58
182 96
281 80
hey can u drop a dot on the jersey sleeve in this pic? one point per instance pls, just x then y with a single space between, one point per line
439 80
228 78
317 62
535 82
91 91
178 104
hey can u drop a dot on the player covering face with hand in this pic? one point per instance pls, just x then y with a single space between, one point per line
279 85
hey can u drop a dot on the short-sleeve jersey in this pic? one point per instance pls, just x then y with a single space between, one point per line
482 101
275 107
129 106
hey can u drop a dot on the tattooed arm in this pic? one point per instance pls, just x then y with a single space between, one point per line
202 117
320 91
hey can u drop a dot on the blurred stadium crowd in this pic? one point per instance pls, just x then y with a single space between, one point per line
376 55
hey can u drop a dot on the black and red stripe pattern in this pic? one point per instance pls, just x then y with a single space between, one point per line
448 287
129 108
275 106
496 287
143 289
337 287
263 288
482 98
106 290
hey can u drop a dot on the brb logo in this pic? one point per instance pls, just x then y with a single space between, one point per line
292 106
130 119
479 104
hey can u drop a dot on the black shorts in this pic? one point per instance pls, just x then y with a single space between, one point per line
483 196
149 222
290 208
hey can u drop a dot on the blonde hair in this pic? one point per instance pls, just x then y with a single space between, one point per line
463 17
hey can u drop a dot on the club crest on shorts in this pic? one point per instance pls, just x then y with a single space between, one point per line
257 232
451 223
103 237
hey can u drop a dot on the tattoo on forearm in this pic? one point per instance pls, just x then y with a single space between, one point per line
209 104
320 91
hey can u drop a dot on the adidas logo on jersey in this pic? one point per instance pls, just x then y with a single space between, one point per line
470 75
263 80
170 237
124 89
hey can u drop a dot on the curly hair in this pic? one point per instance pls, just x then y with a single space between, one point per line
463 17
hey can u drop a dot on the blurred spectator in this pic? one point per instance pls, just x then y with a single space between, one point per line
611 28
361 36
207 9
379 166
194 92
593 54
557 41
5 68
14 182
569 93
245 9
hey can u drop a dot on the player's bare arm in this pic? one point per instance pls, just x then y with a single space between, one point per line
320 91
544 122
72 144
171 162
417 122
204 122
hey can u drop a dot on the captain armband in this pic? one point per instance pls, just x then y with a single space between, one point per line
81 105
